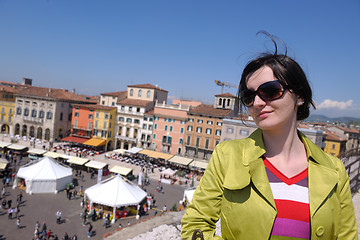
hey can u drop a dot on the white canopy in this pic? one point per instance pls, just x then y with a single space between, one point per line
16 147
36 151
168 171
188 194
115 192
121 151
95 164
134 150
45 175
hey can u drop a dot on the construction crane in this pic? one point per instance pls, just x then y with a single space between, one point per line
224 84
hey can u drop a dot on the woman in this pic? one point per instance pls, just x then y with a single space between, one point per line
275 184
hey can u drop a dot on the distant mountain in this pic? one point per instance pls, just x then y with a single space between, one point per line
325 119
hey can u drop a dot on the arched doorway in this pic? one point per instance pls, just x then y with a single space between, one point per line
5 128
126 146
32 132
47 134
24 130
39 133
17 129
108 146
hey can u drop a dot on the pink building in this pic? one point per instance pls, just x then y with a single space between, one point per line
169 128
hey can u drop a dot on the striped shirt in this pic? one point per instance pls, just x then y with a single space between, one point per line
291 197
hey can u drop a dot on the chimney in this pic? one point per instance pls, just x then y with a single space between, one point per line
27 81
74 90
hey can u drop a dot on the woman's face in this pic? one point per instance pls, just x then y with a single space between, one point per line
271 115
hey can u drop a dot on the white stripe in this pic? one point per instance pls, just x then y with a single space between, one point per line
292 192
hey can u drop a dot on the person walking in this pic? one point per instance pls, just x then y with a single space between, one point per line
18 223
90 230
58 217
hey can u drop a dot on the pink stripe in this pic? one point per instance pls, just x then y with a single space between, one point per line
291 228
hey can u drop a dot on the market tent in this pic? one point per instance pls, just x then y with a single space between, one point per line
188 194
115 192
44 176
36 151
53 154
95 164
94 142
4 144
77 160
121 170
3 163
74 139
181 160
16 147
168 172
121 151
134 150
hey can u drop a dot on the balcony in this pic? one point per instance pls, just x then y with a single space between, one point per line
33 120
126 138
85 128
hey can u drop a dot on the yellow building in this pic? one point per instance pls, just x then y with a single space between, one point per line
7 108
334 144
104 125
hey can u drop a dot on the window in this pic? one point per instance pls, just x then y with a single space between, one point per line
198 129
144 126
75 123
190 128
61 116
104 125
139 93
41 114
26 112
148 94
190 119
197 141
49 115
97 115
155 126
209 122
150 127
181 130
169 139
18 110
164 139
244 132
10 110
137 109
76 114
145 118
207 143
171 128
154 136
208 131
218 133
219 123
3 110
200 121
129 120
106 116
230 130
10 119
109 134
180 141
333 146
220 101
188 140
131 92
166 127
89 125
228 102
122 108
130 109
137 121
102 102
121 119
91 116
96 124
112 104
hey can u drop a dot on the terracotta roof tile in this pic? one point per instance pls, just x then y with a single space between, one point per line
349 130
225 95
134 102
94 106
55 93
5 88
115 94
147 85
330 136
209 110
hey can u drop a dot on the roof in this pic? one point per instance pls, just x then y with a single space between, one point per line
225 95
348 130
147 85
121 94
5 88
209 110
94 106
11 83
135 102
55 93
330 136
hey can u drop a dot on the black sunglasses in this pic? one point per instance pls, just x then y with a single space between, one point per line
268 91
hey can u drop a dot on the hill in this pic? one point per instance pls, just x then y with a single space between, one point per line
325 119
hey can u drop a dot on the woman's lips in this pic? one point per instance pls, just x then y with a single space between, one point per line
264 114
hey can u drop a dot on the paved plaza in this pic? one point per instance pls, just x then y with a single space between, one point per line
43 207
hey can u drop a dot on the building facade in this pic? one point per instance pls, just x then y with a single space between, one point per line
7 106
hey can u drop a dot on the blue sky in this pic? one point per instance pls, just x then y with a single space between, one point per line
181 46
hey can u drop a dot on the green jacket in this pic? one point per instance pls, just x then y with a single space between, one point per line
236 189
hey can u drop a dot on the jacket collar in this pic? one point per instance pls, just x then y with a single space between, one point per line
322 172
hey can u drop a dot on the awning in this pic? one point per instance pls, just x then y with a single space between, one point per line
94 142
95 164
16 147
134 150
198 164
121 170
36 151
4 144
52 154
155 154
181 160
74 139
77 160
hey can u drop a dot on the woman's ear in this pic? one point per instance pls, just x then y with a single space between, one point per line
300 101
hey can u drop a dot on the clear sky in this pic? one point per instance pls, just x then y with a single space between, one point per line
181 46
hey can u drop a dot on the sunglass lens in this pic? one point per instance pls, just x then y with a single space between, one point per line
271 90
